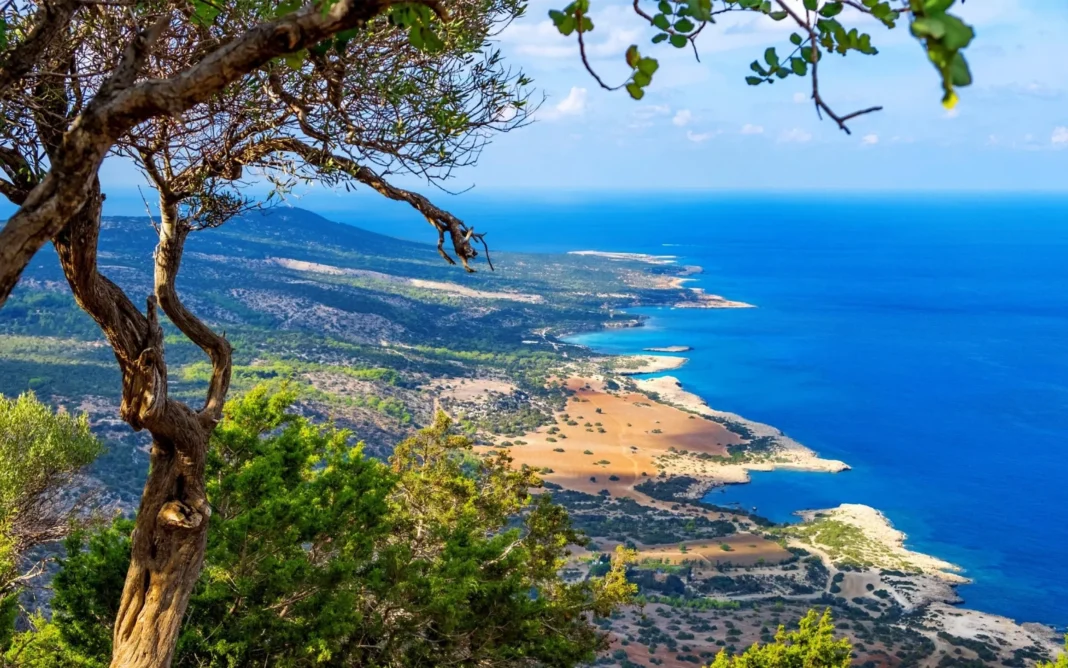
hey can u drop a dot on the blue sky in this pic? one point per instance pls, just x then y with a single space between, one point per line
700 127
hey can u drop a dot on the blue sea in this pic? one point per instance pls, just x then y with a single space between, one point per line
923 339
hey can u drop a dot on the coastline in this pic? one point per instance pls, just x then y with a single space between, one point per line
790 455
927 587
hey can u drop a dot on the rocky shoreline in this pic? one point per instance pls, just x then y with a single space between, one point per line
790 454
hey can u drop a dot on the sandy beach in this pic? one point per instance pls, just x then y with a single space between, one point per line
637 364
633 257
706 300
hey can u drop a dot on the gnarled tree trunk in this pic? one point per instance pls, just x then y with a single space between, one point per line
170 533
167 554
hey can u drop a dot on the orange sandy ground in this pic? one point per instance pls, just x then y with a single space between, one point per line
628 444
630 447
746 550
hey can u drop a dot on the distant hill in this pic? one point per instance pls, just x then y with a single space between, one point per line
361 321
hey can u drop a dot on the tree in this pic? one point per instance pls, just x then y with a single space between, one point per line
318 555
232 42
820 31
41 453
195 99
811 646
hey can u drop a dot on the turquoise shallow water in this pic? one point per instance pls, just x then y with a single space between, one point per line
921 339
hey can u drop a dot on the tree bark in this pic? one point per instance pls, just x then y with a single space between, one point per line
170 533
167 554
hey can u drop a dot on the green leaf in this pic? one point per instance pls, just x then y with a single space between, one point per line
635 91
810 5
660 37
928 27
204 13
556 17
415 37
661 21
567 26
664 7
799 66
959 73
632 56
296 59
701 9
865 47
796 39
831 9
287 7
958 34
648 65
642 79
678 41
778 16
754 81
684 25
770 57
937 6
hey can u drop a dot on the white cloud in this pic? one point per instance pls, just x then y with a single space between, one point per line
616 31
682 118
801 98
796 135
699 137
572 105
952 113
750 129
1060 135
870 140
651 110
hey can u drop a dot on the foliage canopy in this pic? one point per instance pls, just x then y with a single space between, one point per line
318 555
811 646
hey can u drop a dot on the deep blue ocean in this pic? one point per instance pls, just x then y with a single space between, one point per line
922 339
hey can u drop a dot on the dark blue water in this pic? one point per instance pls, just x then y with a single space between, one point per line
921 339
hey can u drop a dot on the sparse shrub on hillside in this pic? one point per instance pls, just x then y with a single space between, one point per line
41 451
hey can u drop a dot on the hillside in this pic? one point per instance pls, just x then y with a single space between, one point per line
360 320
376 333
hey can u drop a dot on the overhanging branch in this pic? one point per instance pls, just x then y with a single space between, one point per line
460 234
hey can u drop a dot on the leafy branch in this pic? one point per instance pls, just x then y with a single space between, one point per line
944 36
